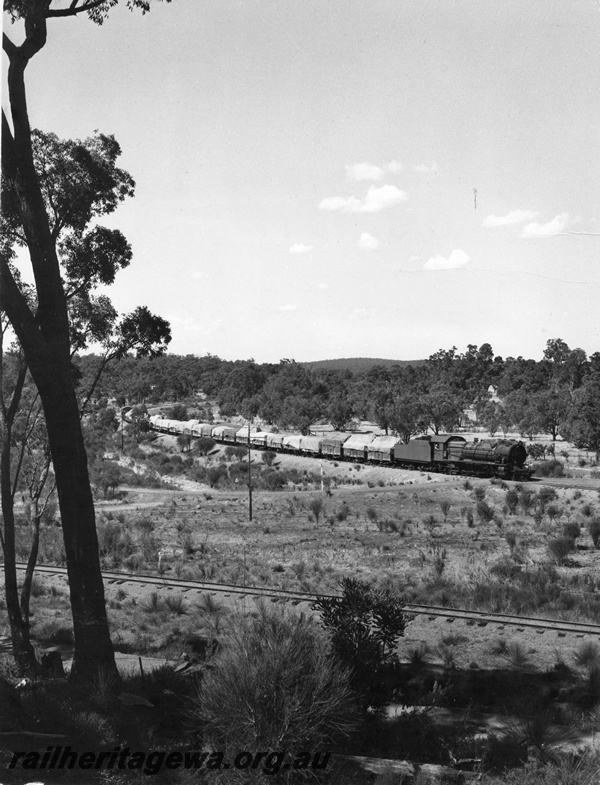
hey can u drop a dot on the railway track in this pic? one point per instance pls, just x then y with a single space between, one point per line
432 612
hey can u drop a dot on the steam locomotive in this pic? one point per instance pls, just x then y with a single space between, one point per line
446 453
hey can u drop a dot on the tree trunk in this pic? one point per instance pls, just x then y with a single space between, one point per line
30 570
19 628
93 647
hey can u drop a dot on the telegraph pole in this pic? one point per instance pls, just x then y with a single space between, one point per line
249 477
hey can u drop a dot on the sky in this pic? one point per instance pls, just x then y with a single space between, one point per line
346 178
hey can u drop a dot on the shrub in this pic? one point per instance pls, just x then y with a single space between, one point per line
516 655
594 530
268 457
365 625
271 480
552 468
153 603
587 654
546 495
203 445
236 452
216 474
419 654
559 548
512 500
316 507
511 540
342 512
526 498
485 511
176 604
274 686
553 511
572 530
479 493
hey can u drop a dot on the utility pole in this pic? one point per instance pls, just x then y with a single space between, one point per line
249 477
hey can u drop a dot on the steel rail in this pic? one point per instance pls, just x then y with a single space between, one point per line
480 618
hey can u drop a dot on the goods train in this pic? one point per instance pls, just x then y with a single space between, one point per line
447 453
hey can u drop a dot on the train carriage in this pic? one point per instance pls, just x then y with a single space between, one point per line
244 434
188 427
332 444
259 439
203 429
224 433
356 447
311 445
291 443
381 449
275 441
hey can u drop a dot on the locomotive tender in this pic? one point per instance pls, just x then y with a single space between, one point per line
446 453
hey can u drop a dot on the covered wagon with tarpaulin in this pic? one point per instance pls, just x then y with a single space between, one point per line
225 433
275 441
244 434
203 429
356 447
331 444
381 449
188 427
291 443
259 439
311 445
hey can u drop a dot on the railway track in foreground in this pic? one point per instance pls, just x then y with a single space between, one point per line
431 612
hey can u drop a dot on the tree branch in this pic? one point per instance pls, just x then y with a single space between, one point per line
73 9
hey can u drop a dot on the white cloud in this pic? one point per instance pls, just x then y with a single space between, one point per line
363 171
429 167
287 307
458 258
331 203
300 248
510 219
376 199
555 226
394 167
367 242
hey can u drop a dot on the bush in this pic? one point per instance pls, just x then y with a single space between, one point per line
553 468
236 452
203 445
512 500
268 457
485 511
560 547
572 530
365 625
215 474
594 530
274 687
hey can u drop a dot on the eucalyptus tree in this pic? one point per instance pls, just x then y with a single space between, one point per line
47 210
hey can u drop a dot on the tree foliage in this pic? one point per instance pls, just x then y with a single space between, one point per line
365 625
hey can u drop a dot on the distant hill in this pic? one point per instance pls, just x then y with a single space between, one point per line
357 364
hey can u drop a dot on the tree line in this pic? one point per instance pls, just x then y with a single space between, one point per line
557 395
